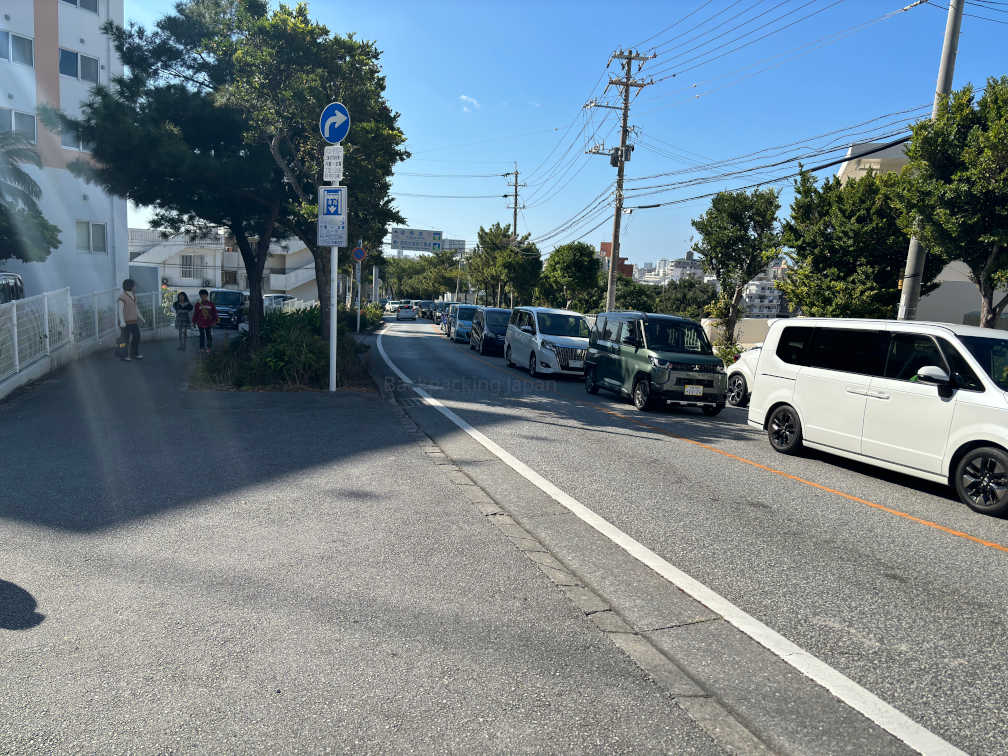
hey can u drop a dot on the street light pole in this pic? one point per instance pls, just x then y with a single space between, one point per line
916 255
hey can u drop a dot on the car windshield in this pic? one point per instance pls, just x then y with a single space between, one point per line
676 336
465 313
497 320
226 298
562 325
992 354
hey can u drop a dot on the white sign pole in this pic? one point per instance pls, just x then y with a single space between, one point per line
333 315
334 123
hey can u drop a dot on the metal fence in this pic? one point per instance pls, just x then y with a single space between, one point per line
44 325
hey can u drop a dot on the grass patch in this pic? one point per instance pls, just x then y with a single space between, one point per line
293 355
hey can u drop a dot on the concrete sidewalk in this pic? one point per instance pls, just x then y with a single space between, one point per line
277 572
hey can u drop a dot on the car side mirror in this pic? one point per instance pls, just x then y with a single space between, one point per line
934 375
528 330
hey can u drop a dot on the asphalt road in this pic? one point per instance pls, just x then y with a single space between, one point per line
887 579
278 572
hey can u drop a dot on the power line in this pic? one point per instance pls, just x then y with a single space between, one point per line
450 175
674 24
449 196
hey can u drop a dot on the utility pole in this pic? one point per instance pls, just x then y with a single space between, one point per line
458 276
515 206
619 156
914 272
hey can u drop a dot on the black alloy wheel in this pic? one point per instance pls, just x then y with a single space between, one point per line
784 430
981 480
641 394
591 386
482 346
737 390
507 356
532 365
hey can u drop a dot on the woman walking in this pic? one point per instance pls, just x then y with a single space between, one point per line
183 317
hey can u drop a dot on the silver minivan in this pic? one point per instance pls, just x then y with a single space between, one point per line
924 399
546 340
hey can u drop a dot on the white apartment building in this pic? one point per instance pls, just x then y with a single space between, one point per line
51 53
761 296
211 261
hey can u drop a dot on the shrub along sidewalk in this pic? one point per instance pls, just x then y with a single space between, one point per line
293 354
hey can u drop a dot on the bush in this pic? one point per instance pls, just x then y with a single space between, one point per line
727 351
293 354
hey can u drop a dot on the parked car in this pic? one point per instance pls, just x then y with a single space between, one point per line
405 311
547 340
446 316
232 307
427 309
462 323
741 375
489 325
11 287
275 301
925 399
655 358
392 305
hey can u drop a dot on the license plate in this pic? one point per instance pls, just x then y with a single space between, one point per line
693 390
576 364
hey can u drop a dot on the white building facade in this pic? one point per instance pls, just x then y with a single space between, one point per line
51 53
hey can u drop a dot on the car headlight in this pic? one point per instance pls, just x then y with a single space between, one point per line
550 345
658 362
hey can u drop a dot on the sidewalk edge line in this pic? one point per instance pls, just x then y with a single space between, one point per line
843 688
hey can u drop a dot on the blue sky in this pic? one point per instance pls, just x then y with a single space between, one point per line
482 85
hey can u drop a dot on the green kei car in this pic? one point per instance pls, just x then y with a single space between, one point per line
655 358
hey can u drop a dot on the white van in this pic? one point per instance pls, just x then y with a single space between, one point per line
546 340
925 399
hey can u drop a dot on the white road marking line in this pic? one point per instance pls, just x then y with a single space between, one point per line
846 690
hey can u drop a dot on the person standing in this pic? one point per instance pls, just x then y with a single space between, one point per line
205 318
183 318
129 319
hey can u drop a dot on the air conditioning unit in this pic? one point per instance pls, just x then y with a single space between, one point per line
207 282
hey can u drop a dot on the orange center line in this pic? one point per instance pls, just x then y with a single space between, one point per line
827 489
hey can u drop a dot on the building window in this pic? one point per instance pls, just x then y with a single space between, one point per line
24 125
187 267
78 66
229 277
17 49
71 139
92 237
89 5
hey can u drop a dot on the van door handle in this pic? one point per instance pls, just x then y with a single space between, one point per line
856 391
879 395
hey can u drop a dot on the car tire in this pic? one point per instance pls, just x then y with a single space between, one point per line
471 344
981 480
482 347
712 411
784 430
591 385
641 394
507 356
532 366
738 390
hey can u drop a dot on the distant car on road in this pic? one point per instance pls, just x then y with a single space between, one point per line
275 301
741 375
546 340
488 328
924 399
232 307
427 309
405 311
392 305
11 287
651 358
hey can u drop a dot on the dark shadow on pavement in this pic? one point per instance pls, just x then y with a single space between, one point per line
17 608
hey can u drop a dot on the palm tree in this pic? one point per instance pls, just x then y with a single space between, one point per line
24 231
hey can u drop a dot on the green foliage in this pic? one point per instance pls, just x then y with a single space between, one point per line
422 277
738 239
292 354
727 351
847 248
570 276
504 265
687 297
630 295
25 234
955 192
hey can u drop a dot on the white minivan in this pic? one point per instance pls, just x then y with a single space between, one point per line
925 399
547 341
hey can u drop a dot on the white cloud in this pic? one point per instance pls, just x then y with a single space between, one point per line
469 104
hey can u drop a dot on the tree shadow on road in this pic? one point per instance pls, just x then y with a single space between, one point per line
17 608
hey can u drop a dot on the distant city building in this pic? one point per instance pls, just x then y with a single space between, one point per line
623 268
54 53
889 160
762 298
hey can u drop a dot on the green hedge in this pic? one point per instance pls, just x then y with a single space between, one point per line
293 354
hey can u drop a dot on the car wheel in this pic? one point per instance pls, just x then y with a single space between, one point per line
471 343
981 480
591 385
737 390
784 430
641 394
507 356
482 347
712 411
532 365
